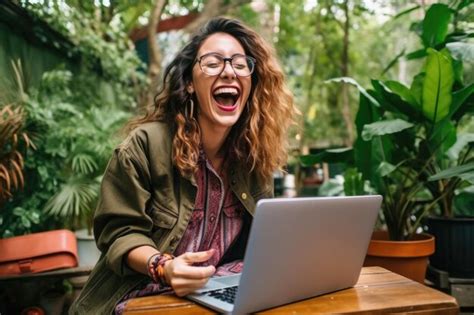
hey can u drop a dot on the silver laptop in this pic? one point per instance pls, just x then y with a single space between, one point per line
297 248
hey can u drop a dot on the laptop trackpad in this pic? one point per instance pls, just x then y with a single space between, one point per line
216 283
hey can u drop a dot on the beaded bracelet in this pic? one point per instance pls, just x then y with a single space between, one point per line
156 269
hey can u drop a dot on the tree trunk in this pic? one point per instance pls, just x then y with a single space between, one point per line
211 9
346 109
154 54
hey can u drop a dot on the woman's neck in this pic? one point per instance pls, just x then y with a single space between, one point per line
212 141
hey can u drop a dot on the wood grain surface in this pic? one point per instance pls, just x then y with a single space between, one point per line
377 291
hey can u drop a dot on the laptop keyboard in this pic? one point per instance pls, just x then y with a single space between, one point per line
226 294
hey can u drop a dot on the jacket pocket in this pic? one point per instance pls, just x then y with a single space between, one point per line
163 224
163 219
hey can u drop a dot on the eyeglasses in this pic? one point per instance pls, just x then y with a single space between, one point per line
213 64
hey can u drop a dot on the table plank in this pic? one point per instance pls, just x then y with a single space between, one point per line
378 290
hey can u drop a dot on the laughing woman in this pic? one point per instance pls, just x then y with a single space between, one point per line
179 193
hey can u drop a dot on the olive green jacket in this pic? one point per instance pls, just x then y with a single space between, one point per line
145 201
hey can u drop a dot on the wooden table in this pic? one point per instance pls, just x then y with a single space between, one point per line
377 291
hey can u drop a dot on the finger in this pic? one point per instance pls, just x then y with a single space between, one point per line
199 256
192 272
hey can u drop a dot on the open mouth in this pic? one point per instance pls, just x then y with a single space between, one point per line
226 97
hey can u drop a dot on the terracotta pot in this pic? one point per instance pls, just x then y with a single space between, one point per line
407 258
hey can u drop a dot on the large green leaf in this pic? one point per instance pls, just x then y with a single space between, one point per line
437 85
417 54
385 168
465 171
402 91
458 69
459 105
463 202
443 137
435 24
416 88
397 103
367 154
366 114
356 84
384 127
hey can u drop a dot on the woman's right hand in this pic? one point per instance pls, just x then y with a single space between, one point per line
185 278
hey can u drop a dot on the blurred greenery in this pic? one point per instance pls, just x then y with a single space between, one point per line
411 144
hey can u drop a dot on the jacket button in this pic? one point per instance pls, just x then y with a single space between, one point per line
244 196
233 182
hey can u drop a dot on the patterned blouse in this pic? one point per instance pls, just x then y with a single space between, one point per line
216 222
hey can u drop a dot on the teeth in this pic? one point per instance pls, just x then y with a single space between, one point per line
227 90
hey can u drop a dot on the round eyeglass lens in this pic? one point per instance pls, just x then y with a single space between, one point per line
243 66
212 64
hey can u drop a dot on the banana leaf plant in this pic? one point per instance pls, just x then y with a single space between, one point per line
407 142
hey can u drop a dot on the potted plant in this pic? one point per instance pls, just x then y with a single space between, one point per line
452 222
402 132
450 171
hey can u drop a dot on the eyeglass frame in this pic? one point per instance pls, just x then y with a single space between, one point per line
198 60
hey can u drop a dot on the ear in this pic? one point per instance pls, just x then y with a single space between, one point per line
190 87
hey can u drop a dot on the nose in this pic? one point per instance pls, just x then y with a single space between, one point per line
228 72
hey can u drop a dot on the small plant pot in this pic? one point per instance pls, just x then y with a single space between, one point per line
87 250
407 258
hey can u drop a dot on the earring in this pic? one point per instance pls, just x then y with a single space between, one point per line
189 113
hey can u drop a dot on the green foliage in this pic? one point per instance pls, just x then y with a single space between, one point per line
464 202
103 44
435 25
409 144
353 183
311 51
437 86
74 139
73 117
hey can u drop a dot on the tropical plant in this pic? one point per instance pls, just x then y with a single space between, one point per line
74 137
404 135
78 142
13 140
72 116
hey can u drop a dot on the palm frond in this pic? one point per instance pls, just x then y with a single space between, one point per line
74 199
84 163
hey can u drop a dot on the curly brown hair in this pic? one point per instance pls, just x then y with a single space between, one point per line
259 138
